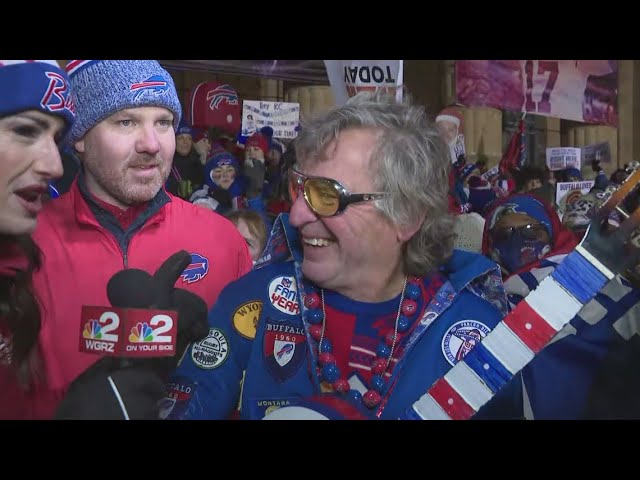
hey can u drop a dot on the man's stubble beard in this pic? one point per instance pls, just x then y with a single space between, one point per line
116 182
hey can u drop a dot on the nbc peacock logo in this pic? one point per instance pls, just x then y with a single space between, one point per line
92 329
141 332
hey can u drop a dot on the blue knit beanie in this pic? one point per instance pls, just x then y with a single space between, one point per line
36 85
184 129
104 87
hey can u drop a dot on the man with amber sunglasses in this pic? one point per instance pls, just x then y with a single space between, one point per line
359 302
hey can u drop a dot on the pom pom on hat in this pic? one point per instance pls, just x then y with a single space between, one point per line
274 143
267 132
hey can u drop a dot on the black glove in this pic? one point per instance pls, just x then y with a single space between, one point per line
223 197
133 288
103 392
127 388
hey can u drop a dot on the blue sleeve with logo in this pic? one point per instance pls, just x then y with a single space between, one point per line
207 382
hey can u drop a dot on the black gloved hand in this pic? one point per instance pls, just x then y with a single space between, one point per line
223 197
103 392
127 388
133 288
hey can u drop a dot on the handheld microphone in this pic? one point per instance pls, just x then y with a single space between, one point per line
142 321
141 338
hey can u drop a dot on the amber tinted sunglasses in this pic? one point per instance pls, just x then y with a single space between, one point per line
324 196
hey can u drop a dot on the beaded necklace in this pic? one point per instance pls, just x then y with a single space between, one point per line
327 368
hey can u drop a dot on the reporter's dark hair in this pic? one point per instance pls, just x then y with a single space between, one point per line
20 309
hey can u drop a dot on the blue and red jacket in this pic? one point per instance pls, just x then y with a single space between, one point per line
259 355
83 245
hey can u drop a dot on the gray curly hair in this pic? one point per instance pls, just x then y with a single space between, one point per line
410 163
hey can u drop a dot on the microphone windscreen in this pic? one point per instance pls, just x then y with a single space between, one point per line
131 288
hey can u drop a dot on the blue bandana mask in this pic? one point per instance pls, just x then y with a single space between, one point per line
517 252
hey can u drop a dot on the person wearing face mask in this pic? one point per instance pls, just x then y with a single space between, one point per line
36 112
520 232
525 237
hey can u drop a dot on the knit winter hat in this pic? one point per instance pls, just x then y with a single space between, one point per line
277 145
104 87
36 85
218 159
198 133
574 173
184 129
260 141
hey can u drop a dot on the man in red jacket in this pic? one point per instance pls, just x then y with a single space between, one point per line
117 214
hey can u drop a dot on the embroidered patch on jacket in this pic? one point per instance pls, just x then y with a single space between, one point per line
283 294
285 348
211 351
179 394
245 319
461 338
